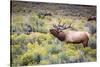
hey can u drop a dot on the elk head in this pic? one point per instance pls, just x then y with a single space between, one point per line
57 31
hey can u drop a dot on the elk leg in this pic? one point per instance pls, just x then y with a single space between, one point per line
85 43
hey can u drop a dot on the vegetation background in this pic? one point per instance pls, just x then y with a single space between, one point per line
31 41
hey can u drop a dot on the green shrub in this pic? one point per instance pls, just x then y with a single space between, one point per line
22 39
63 57
17 24
92 42
43 39
44 62
90 54
53 49
34 55
16 49
26 59
13 39
54 59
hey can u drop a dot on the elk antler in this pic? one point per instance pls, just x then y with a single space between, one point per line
62 27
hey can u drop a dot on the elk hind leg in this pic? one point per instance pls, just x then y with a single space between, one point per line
85 44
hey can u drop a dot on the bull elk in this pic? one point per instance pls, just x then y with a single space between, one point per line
70 36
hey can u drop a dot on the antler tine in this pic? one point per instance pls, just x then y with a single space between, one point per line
64 25
59 24
54 26
69 26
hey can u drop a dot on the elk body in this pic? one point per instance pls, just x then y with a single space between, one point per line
70 36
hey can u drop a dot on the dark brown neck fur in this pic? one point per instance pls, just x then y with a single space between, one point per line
61 36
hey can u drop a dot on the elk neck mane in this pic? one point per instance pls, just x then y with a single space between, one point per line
60 35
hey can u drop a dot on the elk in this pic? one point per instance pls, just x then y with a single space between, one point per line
70 36
43 15
92 18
